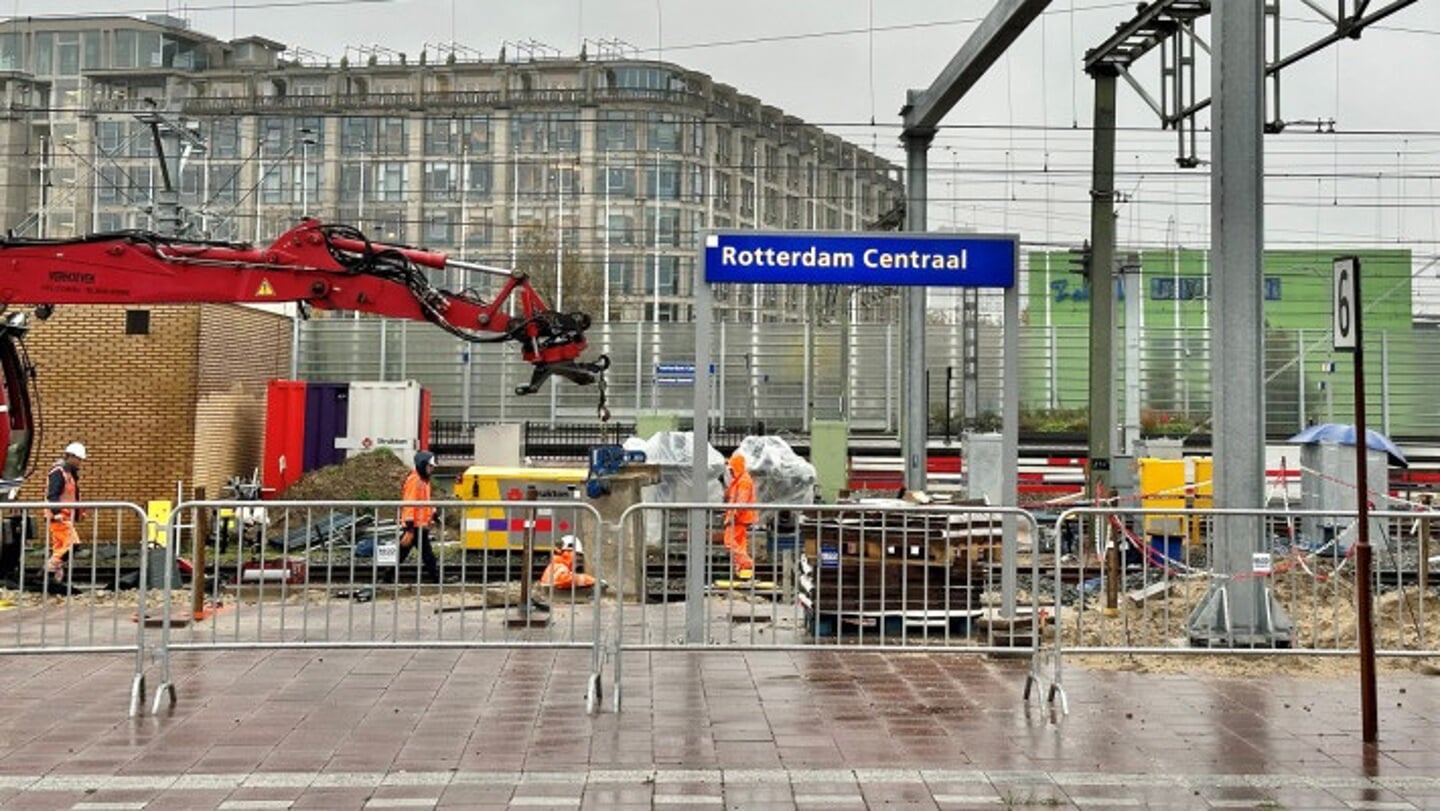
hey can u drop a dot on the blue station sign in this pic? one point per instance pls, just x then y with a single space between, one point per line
908 259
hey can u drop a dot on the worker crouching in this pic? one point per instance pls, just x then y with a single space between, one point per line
560 573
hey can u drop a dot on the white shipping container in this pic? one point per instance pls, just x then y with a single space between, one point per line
384 415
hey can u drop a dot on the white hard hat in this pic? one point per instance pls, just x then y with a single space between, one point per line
76 450
571 542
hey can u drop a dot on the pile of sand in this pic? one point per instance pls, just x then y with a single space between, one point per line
1321 605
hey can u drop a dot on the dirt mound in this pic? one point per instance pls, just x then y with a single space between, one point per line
371 476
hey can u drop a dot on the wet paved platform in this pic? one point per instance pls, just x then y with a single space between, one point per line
822 730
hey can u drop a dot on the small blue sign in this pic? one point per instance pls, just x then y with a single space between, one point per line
909 259
829 557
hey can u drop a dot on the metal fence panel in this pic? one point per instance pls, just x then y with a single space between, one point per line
1163 572
295 574
878 576
95 602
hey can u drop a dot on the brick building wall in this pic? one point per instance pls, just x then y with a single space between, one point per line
184 402
240 350
129 397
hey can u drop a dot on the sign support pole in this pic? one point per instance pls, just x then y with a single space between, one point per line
1349 337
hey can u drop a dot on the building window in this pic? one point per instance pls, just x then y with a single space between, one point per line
618 130
110 184
390 181
564 133
478 233
663 182
441 181
224 138
224 185
666 224
108 137
617 180
67 52
10 51
621 229
475 132
44 53
439 230
636 78
357 135
442 136
123 55
621 271
390 136
356 181
390 226
478 180
137 322
272 185
91 42
664 133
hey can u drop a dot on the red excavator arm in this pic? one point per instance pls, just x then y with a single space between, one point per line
329 267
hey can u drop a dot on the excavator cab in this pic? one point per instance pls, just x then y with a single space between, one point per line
17 427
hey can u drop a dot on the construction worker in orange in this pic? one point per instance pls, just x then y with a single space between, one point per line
561 572
62 486
740 492
415 519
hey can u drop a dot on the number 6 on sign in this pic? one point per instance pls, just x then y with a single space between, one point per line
1347 315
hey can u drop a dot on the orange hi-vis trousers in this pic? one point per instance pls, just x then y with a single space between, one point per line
63 537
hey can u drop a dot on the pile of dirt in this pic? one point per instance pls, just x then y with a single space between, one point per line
371 476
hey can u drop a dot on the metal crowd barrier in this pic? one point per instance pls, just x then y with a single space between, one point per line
97 603
865 577
322 575
1128 581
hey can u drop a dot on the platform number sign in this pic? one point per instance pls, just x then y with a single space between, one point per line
1346 314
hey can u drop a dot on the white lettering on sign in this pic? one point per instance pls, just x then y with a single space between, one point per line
913 260
812 258
873 258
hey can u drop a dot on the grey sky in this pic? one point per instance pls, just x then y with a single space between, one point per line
1363 85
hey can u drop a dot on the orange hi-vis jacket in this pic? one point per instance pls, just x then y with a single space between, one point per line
560 573
415 489
69 493
740 491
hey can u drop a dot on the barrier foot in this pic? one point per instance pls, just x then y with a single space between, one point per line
166 689
1030 682
593 695
1057 690
137 694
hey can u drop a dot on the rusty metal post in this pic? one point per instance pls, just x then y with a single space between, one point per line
197 577
1369 721
526 616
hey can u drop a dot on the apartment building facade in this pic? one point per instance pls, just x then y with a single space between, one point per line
595 174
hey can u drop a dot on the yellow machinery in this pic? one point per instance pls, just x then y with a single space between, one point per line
1162 484
1204 493
494 528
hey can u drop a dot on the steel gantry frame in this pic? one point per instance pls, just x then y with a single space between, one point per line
1246 65
1169 25
922 113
